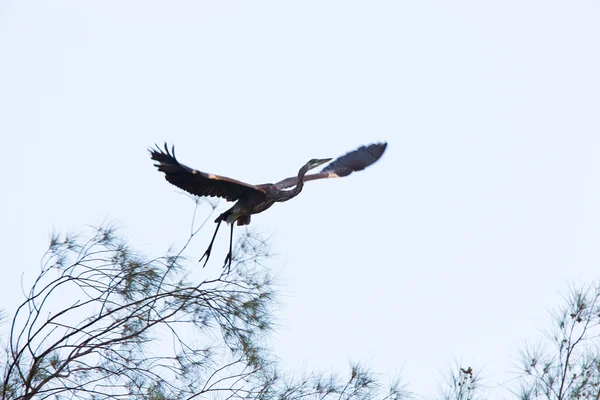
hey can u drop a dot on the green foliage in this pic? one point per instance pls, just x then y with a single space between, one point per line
103 321
567 364
97 310
463 384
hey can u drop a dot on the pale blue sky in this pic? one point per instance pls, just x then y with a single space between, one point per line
453 246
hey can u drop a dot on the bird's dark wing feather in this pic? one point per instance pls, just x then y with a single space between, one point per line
197 182
353 161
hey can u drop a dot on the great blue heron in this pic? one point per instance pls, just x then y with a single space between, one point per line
253 199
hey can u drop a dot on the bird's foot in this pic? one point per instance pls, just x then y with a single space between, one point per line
207 255
227 263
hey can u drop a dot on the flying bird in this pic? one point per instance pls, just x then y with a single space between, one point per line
253 199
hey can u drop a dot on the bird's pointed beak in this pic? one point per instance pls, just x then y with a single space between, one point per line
323 161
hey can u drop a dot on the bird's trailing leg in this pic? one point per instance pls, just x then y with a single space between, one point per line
229 255
207 252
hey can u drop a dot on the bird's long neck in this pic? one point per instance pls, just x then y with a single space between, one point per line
288 194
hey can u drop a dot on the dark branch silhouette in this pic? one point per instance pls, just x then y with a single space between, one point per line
102 321
462 384
567 364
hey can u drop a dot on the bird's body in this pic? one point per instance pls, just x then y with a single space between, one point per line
253 199
242 210
254 203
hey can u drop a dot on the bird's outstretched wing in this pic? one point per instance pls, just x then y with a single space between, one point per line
353 161
197 182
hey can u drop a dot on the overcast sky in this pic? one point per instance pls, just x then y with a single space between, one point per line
481 212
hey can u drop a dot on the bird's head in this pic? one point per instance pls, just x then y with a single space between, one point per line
315 162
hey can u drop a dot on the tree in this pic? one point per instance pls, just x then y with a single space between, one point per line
563 366
462 384
104 321
567 364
